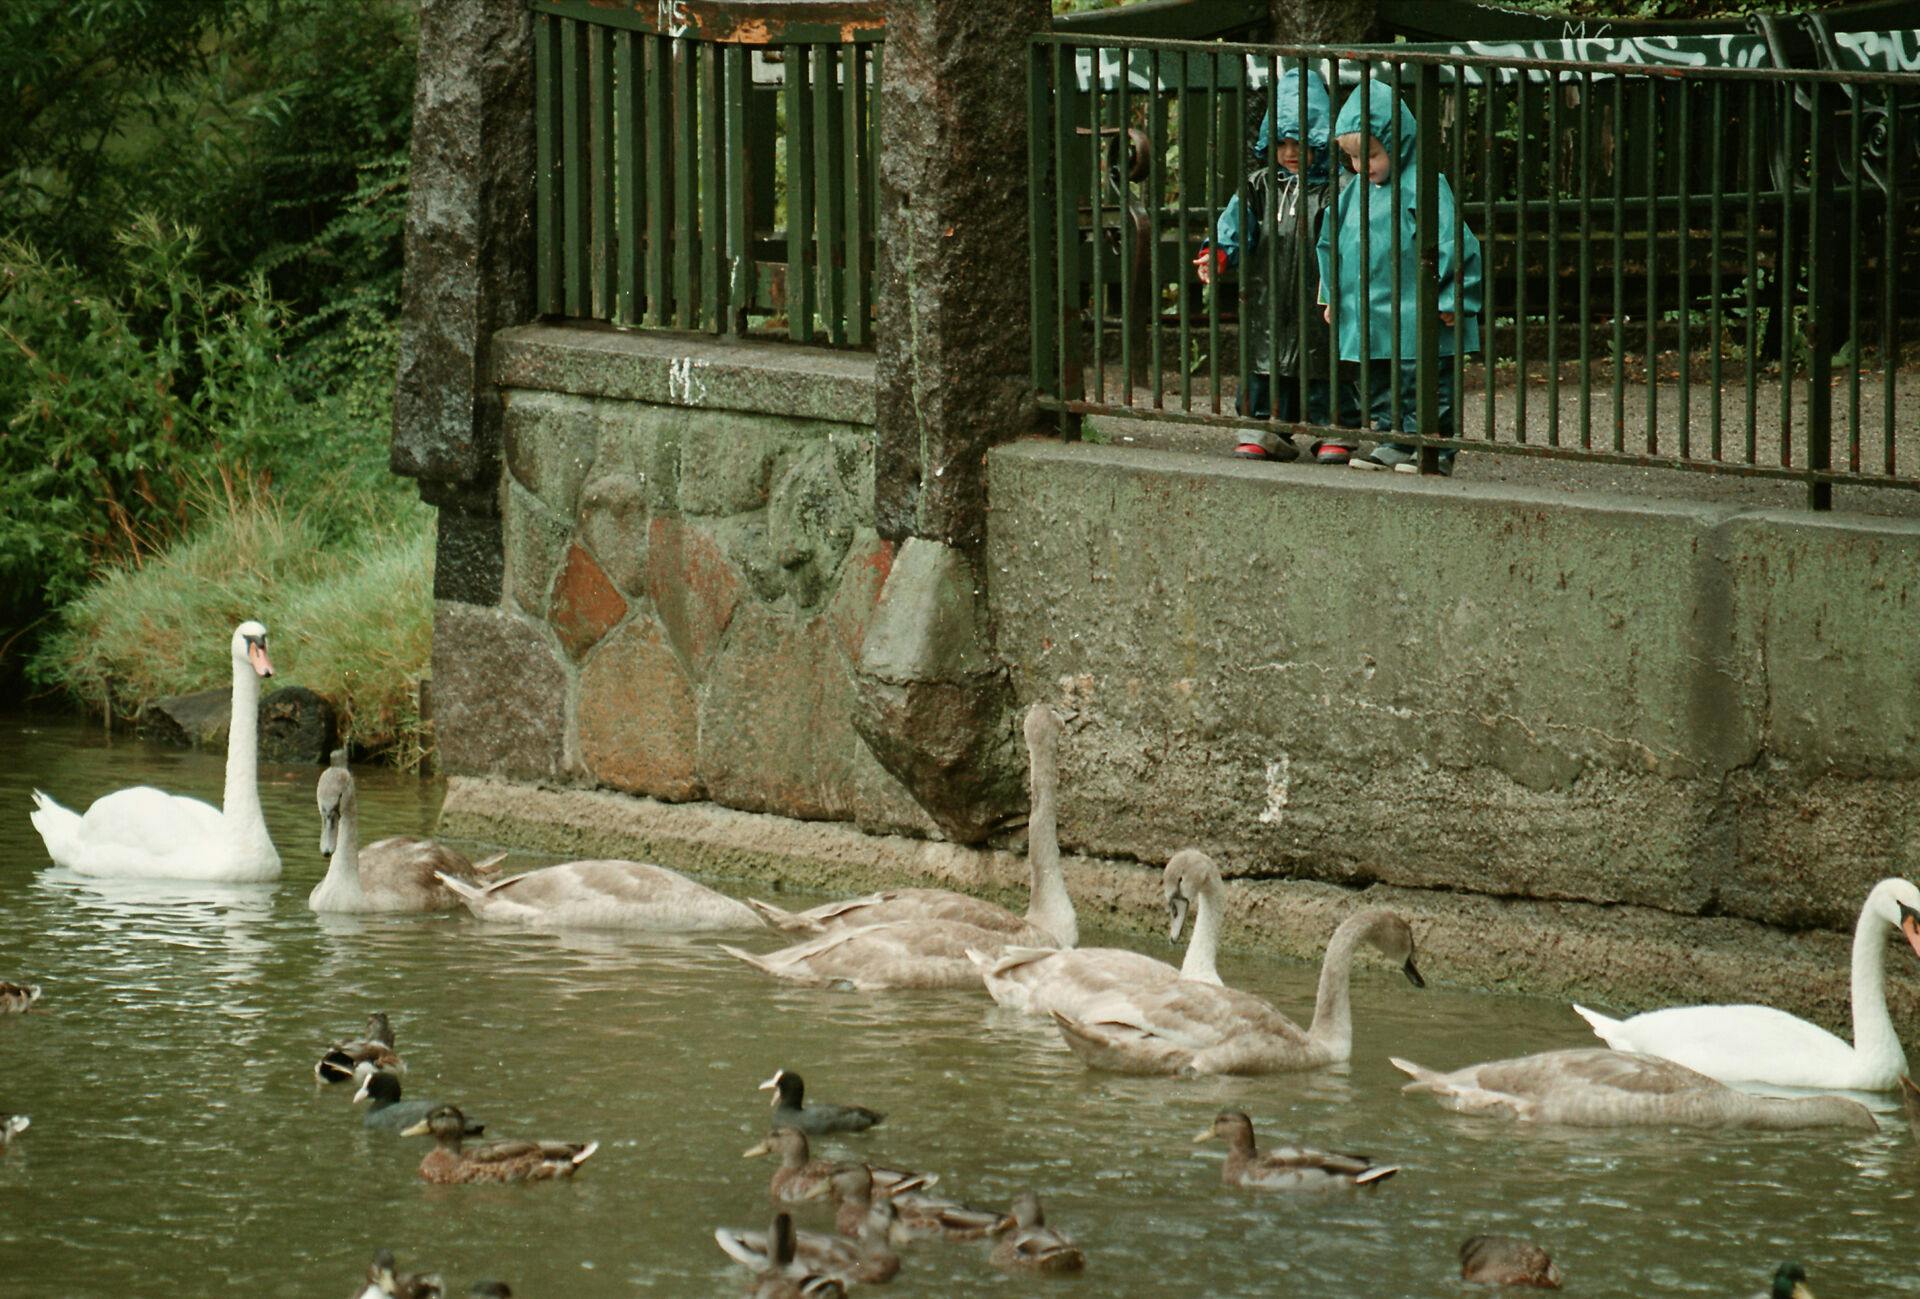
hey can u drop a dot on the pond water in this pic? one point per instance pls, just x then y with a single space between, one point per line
180 1143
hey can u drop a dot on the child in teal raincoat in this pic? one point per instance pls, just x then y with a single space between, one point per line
1387 193
1302 178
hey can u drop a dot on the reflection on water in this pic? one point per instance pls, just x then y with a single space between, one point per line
180 1143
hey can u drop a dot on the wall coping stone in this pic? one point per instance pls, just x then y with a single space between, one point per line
693 370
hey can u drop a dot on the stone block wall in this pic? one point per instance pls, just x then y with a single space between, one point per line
690 565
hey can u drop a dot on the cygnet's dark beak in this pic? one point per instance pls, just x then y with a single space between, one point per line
1413 975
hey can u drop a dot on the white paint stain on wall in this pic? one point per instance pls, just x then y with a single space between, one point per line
1279 790
684 384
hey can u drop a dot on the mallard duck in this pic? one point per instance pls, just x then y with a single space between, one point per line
1198 1028
385 1281
1029 1245
1043 980
452 1161
800 1178
1286 1168
385 1109
918 1216
790 1109
142 833
1507 1260
396 874
338 1062
1593 1087
1758 1044
1789 1282
1050 920
11 1126
17 998
870 1260
604 894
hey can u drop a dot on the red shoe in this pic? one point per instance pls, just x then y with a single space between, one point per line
1252 451
1332 453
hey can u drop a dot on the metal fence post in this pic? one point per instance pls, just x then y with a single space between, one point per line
1427 239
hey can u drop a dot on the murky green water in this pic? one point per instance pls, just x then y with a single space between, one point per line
180 1144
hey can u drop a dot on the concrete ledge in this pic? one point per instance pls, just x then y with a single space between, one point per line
1615 958
700 371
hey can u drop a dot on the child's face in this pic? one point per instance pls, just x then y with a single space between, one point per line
1289 154
1367 157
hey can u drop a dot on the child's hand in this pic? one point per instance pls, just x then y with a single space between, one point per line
1326 312
1446 318
1210 263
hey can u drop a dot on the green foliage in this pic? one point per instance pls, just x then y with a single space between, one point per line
350 609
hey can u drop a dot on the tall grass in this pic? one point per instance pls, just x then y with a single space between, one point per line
346 592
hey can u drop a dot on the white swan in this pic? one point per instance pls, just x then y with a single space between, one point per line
1041 980
1593 1087
1758 1044
608 894
1049 908
1200 1028
144 833
394 874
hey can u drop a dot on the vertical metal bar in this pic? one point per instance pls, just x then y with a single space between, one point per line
800 246
1520 261
1459 170
853 244
1619 262
600 150
1785 269
1427 250
1715 217
1489 140
686 188
1183 261
1652 261
1244 362
1753 270
1123 169
658 134
1889 270
1096 231
1684 258
1396 177
548 223
1551 262
626 166
1819 305
1042 305
829 149
1330 288
574 166
741 275
1067 214
870 180
1304 255
1856 102
1156 191
713 242
1212 182
1364 306
1586 261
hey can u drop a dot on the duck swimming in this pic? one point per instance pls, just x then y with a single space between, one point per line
782 1276
18 998
452 1161
870 1260
917 1215
11 1126
1286 1168
385 1281
1507 1260
1029 1245
800 1178
790 1109
396 874
375 1046
385 1110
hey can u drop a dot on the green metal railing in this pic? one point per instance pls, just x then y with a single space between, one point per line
1698 267
706 168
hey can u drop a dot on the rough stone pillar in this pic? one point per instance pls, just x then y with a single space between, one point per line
952 376
469 246
1321 22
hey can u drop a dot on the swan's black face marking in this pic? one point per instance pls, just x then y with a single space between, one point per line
1176 916
257 653
1413 975
329 830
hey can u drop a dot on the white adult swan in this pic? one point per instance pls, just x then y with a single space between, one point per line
1758 1044
1592 1087
393 874
1041 980
1049 908
142 833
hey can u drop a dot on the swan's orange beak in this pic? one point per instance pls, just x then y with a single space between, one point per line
1910 928
257 655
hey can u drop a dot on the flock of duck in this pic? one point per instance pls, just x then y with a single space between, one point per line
1115 1009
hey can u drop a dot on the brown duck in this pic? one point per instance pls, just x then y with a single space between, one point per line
17 998
919 1216
1029 1245
1286 1168
870 1260
452 1160
800 1178
1507 1260
375 1046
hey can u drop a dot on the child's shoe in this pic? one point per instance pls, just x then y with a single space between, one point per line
1388 455
1444 467
1267 446
1332 453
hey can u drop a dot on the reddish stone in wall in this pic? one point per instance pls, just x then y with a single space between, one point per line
692 585
639 717
585 605
862 574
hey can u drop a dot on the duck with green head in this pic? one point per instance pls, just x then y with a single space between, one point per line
380 1089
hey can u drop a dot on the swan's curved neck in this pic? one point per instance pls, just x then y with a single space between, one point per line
1332 1026
1049 905
1204 946
343 868
1873 1034
240 803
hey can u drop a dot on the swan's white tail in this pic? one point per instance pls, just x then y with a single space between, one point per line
586 1153
59 827
1607 1030
1376 1174
739 1247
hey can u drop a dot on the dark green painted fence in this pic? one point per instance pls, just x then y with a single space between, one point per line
700 172
1691 266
